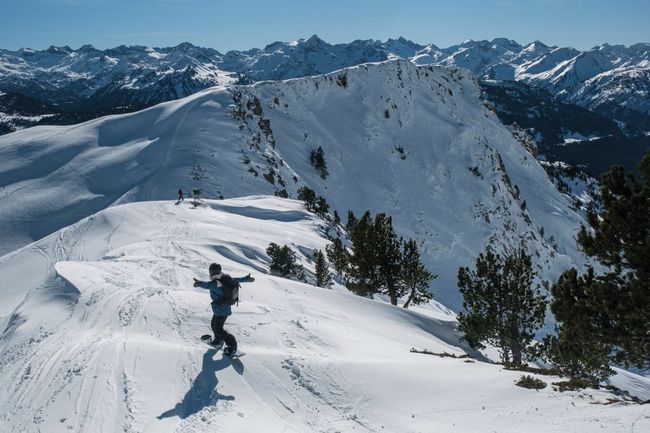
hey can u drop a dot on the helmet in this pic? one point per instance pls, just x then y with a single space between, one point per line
215 269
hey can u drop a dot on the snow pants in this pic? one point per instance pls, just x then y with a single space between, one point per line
221 334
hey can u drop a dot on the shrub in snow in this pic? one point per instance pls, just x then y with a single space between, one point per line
572 385
282 193
530 382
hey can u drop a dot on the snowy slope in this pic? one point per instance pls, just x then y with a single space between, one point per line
415 142
105 339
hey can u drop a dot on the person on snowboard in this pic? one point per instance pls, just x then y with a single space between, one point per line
180 195
221 308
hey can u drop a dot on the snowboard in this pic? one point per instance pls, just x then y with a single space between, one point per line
206 338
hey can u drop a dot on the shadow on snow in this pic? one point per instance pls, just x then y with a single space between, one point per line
203 392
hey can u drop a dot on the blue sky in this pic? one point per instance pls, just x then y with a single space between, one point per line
242 24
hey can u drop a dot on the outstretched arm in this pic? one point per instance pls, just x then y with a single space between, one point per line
246 279
201 284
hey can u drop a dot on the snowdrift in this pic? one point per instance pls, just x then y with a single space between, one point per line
101 335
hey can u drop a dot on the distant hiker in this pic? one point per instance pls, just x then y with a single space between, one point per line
180 195
224 292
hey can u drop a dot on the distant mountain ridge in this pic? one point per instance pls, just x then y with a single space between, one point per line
611 79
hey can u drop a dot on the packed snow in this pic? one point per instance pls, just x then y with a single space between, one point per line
102 324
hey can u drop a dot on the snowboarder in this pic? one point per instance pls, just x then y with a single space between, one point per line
180 195
224 292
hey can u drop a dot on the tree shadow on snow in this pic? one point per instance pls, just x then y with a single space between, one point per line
203 392
445 331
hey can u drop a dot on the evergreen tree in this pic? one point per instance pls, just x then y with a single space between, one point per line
321 207
361 274
501 306
337 219
338 256
322 272
308 197
284 262
317 159
414 276
387 256
577 349
352 222
612 310
376 258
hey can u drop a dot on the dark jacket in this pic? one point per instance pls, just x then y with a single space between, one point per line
216 292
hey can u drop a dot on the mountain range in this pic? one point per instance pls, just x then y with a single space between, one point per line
611 80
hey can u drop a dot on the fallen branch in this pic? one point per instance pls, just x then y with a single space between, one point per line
441 355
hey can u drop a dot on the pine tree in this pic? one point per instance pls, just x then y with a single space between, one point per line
284 262
338 256
414 276
317 159
577 349
322 272
388 256
321 207
500 305
308 197
337 219
376 258
352 222
612 310
361 274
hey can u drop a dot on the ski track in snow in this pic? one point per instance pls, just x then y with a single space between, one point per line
120 352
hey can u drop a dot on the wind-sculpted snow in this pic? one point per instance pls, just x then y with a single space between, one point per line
414 142
107 340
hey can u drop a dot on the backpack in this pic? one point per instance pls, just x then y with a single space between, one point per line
230 289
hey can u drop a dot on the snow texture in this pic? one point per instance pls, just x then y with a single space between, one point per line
101 334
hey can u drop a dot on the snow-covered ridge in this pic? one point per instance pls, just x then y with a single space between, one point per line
414 142
101 326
